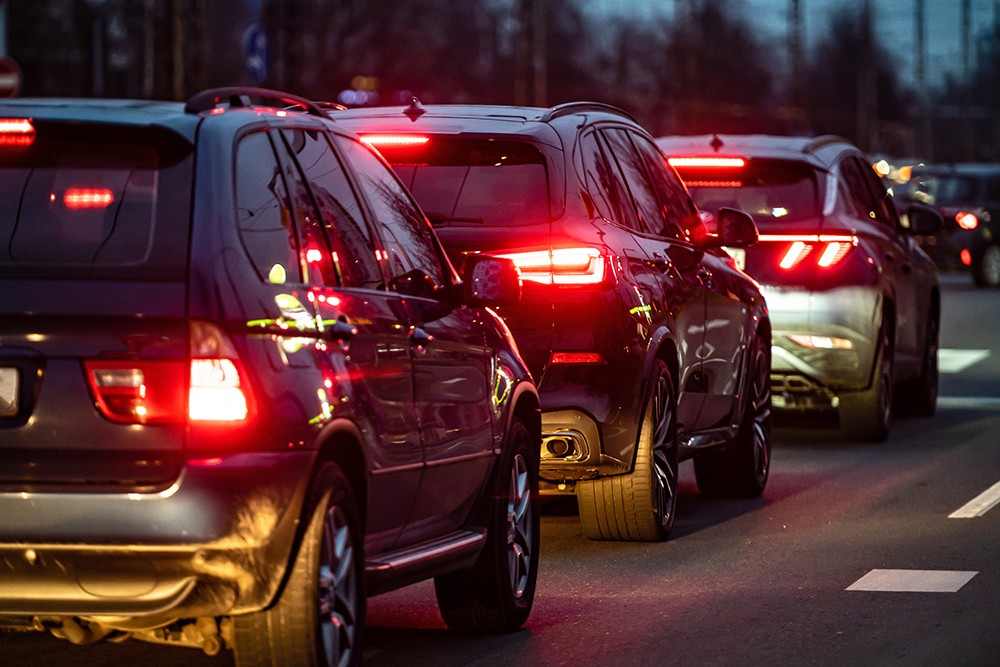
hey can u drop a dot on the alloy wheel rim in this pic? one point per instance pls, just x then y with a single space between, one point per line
664 465
520 529
338 589
762 415
991 265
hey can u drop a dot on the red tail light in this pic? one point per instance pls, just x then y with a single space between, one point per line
576 358
208 388
16 132
88 198
560 266
967 220
828 251
394 140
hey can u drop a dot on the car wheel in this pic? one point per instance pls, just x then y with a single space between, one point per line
741 469
496 594
866 415
986 272
319 616
918 397
641 505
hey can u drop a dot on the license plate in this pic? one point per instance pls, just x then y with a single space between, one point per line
739 256
9 379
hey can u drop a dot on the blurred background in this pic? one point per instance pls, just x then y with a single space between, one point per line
914 78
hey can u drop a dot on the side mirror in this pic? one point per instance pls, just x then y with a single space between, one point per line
490 281
734 229
923 219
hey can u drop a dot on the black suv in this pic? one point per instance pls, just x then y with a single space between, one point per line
242 386
647 343
968 197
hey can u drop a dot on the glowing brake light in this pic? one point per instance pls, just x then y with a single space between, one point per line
576 358
724 162
394 140
967 220
16 132
560 266
830 249
216 392
88 198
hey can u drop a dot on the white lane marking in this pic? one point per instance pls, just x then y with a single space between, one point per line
912 581
973 402
956 361
979 505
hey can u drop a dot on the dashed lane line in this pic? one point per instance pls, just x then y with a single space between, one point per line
956 361
979 505
969 402
913 581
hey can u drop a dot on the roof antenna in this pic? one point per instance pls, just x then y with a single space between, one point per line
715 143
415 110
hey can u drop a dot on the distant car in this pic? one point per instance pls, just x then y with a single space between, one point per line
242 386
647 343
968 197
855 303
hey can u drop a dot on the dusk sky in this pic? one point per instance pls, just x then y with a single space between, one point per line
894 20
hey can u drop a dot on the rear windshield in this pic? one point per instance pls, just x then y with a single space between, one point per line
769 190
94 202
463 182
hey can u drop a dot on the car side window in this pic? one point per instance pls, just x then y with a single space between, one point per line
855 195
680 212
413 259
651 219
264 212
352 251
604 184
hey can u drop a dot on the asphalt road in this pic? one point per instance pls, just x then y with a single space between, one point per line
766 581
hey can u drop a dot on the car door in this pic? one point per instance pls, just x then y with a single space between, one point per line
678 283
366 351
452 366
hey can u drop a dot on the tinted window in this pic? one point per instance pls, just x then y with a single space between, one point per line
95 203
771 191
347 234
604 183
412 257
471 183
680 212
265 215
651 218
942 189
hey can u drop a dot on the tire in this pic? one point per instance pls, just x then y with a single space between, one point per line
741 469
319 616
866 415
918 397
986 272
495 595
639 506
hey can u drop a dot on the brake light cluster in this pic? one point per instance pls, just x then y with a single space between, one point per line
560 266
209 387
88 198
394 140
826 250
966 220
16 132
707 162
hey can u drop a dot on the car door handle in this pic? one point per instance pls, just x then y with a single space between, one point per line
419 337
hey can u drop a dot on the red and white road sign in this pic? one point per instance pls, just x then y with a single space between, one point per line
10 77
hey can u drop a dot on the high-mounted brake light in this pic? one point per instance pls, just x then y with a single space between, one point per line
560 266
713 184
724 162
967 220
394 140
829 249
16 132
576 358
88 198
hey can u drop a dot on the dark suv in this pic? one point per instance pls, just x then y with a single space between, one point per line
647 343
242 386
968 197
855 303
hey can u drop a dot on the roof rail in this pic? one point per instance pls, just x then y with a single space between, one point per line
824 140
579 107
244 97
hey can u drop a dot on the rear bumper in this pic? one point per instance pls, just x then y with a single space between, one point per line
217 541
845 323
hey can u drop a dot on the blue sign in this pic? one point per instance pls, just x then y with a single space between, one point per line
255 52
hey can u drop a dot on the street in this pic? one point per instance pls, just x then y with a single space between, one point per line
776 580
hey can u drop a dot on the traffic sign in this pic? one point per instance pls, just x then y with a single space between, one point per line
10 77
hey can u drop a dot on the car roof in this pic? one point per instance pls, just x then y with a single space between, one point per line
818 151
136 113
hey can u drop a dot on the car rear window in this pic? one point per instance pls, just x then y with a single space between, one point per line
942 189
95 202
467 182
769 190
